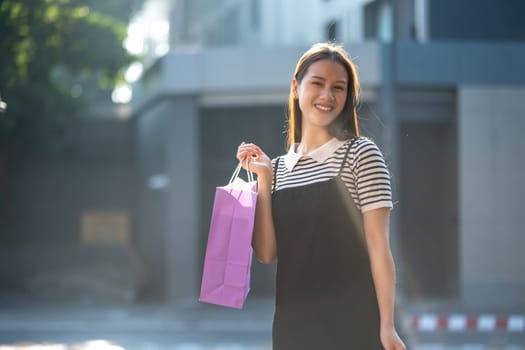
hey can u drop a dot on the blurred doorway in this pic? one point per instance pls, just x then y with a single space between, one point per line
428 237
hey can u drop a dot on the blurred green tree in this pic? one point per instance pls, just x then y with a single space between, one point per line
50 50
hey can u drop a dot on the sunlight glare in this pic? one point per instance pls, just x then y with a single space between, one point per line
97 345
134 43
134 72
122 94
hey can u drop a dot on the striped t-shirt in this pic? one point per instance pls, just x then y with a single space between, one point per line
365 173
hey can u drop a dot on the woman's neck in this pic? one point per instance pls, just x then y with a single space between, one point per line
312 140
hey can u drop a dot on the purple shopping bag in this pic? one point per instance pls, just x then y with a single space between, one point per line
226 275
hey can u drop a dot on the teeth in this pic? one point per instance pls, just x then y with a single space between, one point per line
324 108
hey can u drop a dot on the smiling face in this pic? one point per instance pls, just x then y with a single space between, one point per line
322 94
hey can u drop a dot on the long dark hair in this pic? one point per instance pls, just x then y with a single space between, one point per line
345 126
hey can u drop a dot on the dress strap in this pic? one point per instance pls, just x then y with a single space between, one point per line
346 156
275 172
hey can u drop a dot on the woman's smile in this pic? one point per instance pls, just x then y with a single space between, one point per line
324 108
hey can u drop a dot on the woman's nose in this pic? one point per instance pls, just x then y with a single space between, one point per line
328 93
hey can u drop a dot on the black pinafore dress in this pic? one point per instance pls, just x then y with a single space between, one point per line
325 297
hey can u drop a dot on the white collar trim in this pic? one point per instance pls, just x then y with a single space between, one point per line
319 154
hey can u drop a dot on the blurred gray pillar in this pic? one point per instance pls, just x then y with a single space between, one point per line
181 237
167 223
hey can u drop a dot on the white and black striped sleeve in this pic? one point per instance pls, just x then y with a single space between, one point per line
371 177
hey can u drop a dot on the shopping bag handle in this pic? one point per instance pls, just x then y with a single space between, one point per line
238 170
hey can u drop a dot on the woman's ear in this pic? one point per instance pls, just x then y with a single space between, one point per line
294 88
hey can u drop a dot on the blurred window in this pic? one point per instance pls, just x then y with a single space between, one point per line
378 21
332 29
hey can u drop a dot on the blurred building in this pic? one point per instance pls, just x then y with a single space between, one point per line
443 87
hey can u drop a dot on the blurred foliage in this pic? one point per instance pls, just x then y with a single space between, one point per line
56 57
51 50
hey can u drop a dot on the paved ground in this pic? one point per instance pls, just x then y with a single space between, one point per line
197 326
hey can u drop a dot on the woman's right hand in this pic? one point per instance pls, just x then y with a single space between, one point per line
263 242
255 160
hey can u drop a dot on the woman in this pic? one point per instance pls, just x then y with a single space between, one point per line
323 213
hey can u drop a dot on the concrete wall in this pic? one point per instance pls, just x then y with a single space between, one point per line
85 165
491 168
88 164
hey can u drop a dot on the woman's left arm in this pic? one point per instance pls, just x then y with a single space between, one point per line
376 225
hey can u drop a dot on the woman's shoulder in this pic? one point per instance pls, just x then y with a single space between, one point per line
359 145
362 150
360 141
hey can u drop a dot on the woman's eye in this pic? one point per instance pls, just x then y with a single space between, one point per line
340 88
316 83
